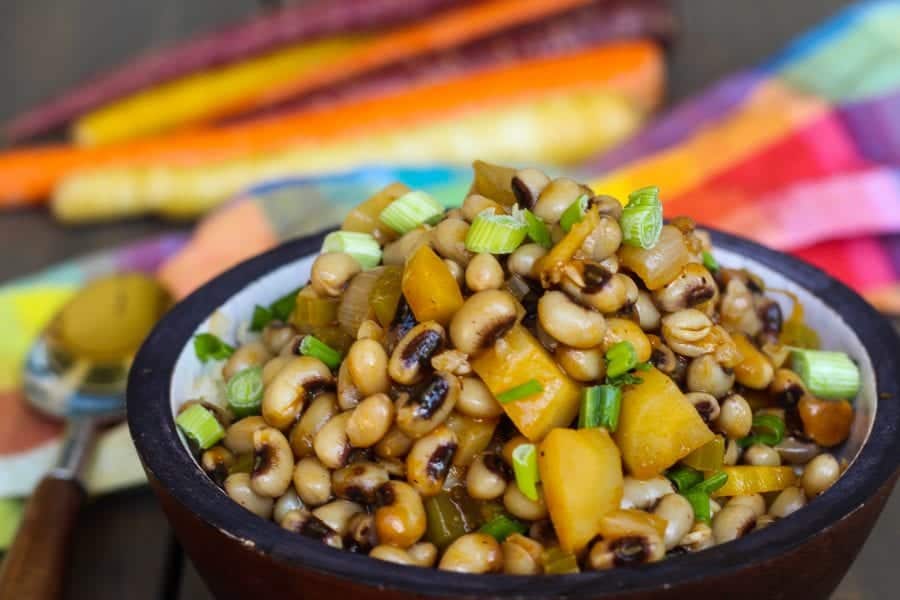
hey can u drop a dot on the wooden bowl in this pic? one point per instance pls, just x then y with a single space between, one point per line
240 555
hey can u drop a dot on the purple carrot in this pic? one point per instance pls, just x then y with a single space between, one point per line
591 25
239 41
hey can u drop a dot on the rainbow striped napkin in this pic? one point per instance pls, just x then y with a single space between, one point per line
802 153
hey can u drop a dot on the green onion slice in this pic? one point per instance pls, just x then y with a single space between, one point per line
262 316
537 230
411 210
525 468
711 483
280 310
684 478
600 407
574 213
503 526
828 375
529 388
200 426
710 262
245 391
361 246
316 348
621 358
700 503
496 234
642 219
210 347
767 429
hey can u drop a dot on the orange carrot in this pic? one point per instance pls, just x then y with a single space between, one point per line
629 68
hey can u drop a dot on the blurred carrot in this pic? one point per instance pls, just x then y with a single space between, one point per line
26 176
444 30
197 97
255 35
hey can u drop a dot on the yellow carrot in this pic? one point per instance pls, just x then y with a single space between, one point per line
559 129
204 96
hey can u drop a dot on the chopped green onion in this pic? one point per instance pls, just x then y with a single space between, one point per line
209 347
711 483
574 213
621 358
525 468
316 348
710 262
280 310
262 316
200 426
642 220
700 503
537 230
767 429
529 388
503 526
497 234
684 478
600 407
557 561
245 391
361 246
411 210
828 375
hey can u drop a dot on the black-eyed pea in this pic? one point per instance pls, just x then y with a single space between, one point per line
239 436
760 455
683 330
679 516
643 494
285 396
661 356
361 531
420 413
487 477
569 323
604 240
626 330
607 205
787 502
452 361
527 185
705 374
400 519
700 537
476 400
394 444
411 359
308 525
581 365
473 553
359 481
312 481
276 334
370 330
337 514
254 354
217 462
733 522
370 421
331 272
754 370
482 319
735 417
292 347
391 554
423 554
237 486
692 287
640 548
319 412
732 453
795 451
521 506
331 444
787 387
522 261
706 404
763 522
458 273
288 502
521 555
647 313
754 501
510 446
271 368
820 474
556 197
429 460
603 291
367 364
273 463
348 395
396 252
475 204
449 239
484 272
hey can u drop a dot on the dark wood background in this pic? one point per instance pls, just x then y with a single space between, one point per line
123 546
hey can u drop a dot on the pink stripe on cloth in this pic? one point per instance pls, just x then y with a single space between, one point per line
842 206
861 263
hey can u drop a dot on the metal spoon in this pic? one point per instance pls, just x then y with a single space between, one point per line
83 384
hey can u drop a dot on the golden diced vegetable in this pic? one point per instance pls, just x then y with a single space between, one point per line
708 457
660 264
517 358
494 182
745 480
364 217
658 426
472 436
430 289
581 474
550 267
385 296
754 371
311 311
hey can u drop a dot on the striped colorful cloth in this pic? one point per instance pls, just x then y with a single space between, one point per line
802 154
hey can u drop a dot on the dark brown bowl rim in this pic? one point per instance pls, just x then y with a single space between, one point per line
162 453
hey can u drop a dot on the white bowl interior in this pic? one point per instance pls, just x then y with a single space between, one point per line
229 323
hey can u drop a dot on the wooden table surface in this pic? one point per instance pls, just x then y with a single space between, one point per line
123 547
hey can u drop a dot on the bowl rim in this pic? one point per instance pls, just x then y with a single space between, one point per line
162 453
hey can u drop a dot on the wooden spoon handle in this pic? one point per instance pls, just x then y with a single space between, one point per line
35 564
